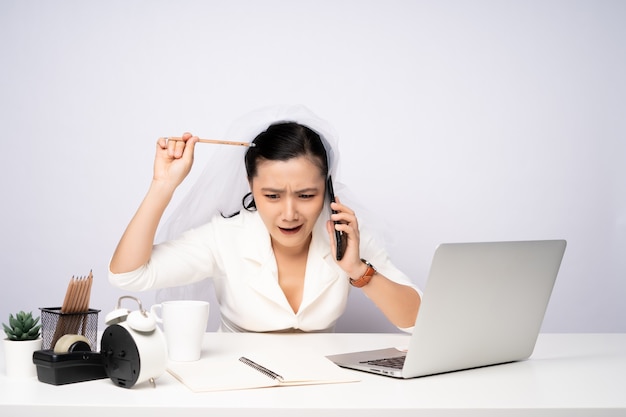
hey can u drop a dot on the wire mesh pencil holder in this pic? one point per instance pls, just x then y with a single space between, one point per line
55 324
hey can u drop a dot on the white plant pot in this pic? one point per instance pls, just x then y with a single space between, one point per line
18 357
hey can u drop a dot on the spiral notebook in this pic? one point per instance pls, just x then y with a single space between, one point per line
258 370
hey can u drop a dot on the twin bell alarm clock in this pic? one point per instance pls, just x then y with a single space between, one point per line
133 348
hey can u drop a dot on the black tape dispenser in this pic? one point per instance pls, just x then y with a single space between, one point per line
133 347
71 360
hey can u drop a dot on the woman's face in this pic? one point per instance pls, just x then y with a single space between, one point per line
289 197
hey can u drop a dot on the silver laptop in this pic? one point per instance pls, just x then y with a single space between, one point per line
483 304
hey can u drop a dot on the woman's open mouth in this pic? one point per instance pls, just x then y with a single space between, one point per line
290 231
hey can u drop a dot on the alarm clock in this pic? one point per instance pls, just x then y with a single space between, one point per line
133 347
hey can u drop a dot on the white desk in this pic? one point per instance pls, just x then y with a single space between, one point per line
568 375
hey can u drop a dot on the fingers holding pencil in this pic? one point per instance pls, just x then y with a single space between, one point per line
171 149
176 148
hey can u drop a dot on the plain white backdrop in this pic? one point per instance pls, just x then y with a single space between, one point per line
458 120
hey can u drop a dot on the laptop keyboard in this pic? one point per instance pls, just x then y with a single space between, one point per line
395 362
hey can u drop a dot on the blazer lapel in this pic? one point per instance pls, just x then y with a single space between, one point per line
262 272
321 272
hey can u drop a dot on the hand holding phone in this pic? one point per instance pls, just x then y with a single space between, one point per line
340 237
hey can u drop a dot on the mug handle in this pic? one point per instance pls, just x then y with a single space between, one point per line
153 311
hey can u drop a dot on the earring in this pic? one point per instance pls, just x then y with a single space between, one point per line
248 202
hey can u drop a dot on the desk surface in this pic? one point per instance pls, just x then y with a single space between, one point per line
568 374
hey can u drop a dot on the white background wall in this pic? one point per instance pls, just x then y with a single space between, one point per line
463 120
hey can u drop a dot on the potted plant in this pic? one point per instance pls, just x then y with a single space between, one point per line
23 338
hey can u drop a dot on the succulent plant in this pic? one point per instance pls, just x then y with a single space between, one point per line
22 327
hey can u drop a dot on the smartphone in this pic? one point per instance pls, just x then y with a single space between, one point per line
340 237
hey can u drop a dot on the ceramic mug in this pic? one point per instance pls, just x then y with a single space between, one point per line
184 324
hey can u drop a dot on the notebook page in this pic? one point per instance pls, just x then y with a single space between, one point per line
301 367
227 372
218 374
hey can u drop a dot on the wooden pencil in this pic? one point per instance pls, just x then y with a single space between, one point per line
214 141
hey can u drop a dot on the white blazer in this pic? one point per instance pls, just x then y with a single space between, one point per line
236 254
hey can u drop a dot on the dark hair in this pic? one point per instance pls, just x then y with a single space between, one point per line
284 141
281 142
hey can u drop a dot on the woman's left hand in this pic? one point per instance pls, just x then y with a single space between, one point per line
348 224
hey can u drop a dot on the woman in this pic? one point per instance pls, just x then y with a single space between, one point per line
273 264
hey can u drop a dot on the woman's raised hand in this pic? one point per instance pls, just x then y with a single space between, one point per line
172 163
174 159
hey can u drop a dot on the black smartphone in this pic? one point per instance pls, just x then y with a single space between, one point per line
340 238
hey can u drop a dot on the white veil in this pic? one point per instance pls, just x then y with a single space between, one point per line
223 183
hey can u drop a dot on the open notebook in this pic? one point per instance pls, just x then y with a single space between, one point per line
258 370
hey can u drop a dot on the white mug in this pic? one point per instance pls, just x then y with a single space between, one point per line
184 324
